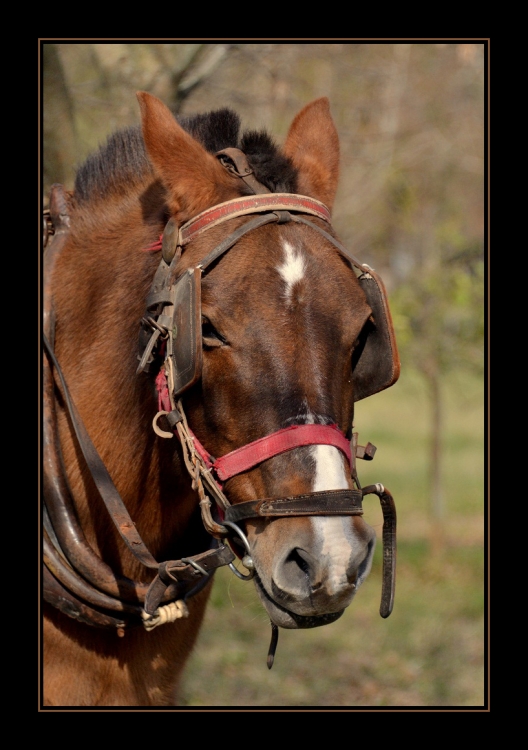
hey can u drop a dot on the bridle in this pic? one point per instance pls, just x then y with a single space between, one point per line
170 331
167 298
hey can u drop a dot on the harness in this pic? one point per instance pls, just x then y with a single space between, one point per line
76 580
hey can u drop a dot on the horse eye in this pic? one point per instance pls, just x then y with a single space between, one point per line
210 336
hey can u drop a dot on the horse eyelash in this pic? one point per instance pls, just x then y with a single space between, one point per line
210 333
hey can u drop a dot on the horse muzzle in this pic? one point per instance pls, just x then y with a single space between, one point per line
355 555
322 562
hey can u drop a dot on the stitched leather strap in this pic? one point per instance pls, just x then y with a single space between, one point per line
327 503
251 205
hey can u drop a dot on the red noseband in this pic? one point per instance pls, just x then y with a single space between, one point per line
250 455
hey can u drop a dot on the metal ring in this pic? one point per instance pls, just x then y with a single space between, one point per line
248 550
241 575
149 320
240 534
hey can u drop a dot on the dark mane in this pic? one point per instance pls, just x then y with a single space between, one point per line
122 161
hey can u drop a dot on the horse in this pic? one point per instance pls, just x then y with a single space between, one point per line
205 338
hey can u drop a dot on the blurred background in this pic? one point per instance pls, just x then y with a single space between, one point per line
411 118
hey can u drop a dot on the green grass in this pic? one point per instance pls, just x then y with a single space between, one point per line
430 651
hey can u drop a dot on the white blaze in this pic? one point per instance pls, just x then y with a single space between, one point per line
334 534
329 464
329 469
293 268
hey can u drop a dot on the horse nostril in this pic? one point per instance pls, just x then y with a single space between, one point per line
307 565
300 558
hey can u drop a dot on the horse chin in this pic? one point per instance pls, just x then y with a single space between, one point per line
284 618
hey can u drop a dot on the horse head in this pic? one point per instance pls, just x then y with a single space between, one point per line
281 348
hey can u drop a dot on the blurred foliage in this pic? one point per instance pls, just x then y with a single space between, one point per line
439 316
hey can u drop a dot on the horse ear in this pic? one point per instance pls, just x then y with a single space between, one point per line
193 177
312 144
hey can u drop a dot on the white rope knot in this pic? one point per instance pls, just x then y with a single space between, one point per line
167 613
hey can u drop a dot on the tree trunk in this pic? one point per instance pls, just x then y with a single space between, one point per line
437 507
58 126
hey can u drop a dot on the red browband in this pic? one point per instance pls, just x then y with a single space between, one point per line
254 204
242 207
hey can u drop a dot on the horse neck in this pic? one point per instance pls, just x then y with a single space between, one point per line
99 287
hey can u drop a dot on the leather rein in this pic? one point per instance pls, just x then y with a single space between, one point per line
76 580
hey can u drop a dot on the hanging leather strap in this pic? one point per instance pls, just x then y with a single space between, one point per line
103 481
389 545
78 598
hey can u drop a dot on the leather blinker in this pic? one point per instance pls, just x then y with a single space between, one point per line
169 241
376 363
184 347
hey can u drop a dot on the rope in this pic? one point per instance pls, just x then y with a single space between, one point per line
198 471
168 613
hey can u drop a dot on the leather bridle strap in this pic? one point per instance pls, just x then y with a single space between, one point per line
119 514
345 252
254 204
236 163
102 478
250 455
330 503
326 503
233 238
388 508
162 291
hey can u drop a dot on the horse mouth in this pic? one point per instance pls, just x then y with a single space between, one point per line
285 618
